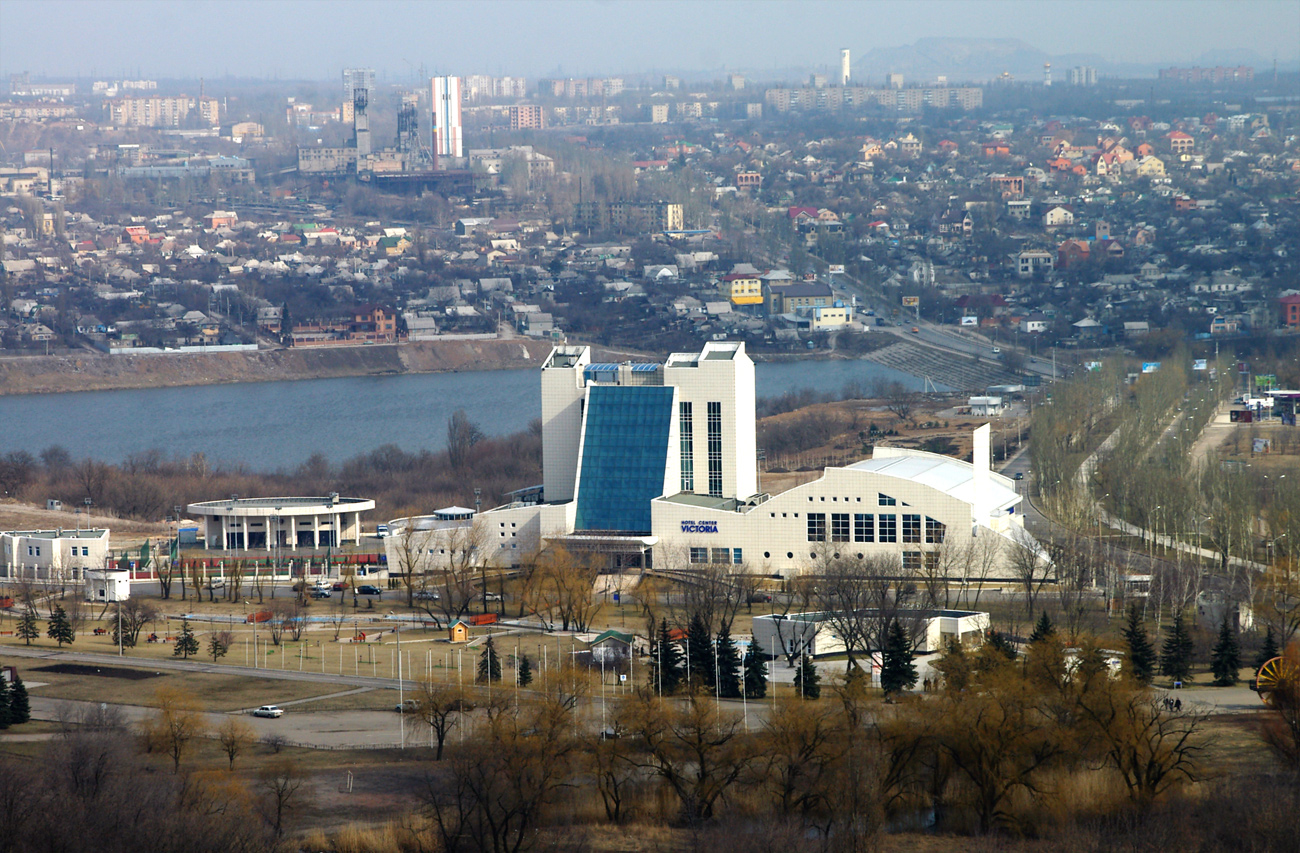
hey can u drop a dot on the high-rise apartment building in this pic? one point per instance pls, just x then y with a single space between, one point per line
527 117
844 67
447 132
357 78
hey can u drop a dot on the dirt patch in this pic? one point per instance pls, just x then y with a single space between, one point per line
86 669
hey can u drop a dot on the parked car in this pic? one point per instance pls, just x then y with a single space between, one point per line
269 711
427 595
408 707
492 596
381 531
340 585
367 589
916 330
320 593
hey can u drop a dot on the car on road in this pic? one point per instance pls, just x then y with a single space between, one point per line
916 330
1019 475
997 350
367 589
492 596
381 531
409 706
320 593
269 711
340 585
427 595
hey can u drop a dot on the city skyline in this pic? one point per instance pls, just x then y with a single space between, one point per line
583 37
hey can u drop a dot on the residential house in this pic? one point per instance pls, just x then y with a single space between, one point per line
743 288
1058 217
1034 261
785 298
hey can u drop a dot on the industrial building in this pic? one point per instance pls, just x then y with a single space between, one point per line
655 466
243 524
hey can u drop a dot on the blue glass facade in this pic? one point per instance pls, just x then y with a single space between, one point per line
624 456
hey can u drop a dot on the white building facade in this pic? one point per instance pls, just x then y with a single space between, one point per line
655 466
53 555
446 117
262 524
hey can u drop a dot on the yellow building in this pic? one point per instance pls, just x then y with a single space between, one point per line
743 289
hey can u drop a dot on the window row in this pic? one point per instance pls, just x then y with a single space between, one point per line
717 556
866 527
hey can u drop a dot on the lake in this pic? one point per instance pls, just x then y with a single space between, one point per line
272 425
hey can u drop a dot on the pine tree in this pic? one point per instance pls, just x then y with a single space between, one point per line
1225 659
186 644
1269 650
807 683
999 642
1141 654
60 629
699 654
217 648
666 668
27 628
524 671
729 683
489 663
5 711
20 711
896 669
755 674
1043 628
1176 652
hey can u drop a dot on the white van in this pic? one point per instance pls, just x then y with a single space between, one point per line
381 531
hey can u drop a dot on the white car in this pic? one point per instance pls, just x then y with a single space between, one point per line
269 711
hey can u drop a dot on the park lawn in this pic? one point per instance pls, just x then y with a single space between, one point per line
217 693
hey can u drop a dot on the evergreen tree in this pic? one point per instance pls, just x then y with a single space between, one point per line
1000 643
524 671
1043 628
5 712
186 644
60 629
1141 654
700 665
1176 653
216 647
27 628
666 668
1269 650
489 663
729 683
20 711
1225 659
755 674
807 683
896 669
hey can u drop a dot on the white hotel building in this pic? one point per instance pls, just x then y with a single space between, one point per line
655 465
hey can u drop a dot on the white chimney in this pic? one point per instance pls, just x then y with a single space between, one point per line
980 462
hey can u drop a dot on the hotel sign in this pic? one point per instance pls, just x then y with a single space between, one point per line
699 527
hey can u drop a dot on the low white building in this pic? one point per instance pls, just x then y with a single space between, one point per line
814 634
243 524
108 585
54 555
987 407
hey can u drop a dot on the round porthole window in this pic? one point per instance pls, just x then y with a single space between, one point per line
812 554
859 556
789 555
766 555
837 556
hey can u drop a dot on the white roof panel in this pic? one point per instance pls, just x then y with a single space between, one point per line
951 476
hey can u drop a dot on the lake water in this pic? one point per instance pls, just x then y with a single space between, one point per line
272 425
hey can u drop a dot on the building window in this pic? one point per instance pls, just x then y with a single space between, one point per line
931 561
687 429
699 555
722 556
888 528
885 500
839 527
816 527
934 531
737 556
911 528
715 450
864 527
911 561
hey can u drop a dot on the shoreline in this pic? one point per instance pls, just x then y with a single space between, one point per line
78 372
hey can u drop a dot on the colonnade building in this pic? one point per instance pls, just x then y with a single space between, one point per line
655 466
243 524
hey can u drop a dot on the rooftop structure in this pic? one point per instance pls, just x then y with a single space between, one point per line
287 522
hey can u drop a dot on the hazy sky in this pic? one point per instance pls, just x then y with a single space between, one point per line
287 38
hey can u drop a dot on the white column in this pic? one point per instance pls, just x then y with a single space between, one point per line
225 534
243 526
315 531
357 522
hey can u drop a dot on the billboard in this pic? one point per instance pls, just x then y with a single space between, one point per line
1265 381
911 301
1093 366
970 321
835 268
1200 364
1150 366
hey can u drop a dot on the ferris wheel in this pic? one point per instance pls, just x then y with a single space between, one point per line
1275 674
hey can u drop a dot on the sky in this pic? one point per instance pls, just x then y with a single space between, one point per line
314 39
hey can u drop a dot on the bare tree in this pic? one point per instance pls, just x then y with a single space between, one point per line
235 736
132 615
177 722
1031 568
462 435
439 706
280 783
560 587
